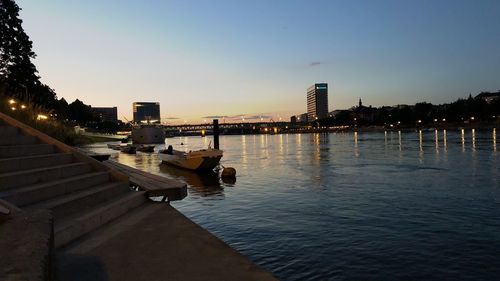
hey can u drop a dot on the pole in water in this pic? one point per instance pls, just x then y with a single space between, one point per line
216 133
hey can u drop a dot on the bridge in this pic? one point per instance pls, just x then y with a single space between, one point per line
231 128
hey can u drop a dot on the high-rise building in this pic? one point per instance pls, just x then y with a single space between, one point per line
106 114
146 112
317 101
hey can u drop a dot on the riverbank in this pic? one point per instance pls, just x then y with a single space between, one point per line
85 202
156 242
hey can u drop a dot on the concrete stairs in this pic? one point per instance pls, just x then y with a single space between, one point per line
36 175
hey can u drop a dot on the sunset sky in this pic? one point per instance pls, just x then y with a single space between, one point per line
257 58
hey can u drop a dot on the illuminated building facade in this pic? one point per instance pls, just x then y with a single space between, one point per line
317 101
146 112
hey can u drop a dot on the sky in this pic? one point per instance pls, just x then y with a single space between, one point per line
233 58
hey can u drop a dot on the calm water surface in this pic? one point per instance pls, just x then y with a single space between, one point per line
352 206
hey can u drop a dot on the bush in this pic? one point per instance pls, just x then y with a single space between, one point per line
41 119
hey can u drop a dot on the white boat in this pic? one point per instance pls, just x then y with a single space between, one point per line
147 134
204 159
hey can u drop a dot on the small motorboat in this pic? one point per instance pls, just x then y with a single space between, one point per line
198 160
113 146
128 148
145 147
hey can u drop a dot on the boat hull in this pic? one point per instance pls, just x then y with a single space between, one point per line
147 135
196 161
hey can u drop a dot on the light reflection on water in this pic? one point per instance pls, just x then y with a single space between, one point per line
390 206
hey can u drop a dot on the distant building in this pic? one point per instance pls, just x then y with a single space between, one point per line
317 101
301 118
363 113
146 112
106 114
488 97
336 112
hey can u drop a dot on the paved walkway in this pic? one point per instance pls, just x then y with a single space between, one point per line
155 242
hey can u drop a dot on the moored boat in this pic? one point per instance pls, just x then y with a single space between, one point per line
198 160
145 147
128 148
114 146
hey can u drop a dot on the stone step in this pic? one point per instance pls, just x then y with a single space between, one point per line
17 140
35 161
82 200
74 227
27 177
44 191
9 151
8 131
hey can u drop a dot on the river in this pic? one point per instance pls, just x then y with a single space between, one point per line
351 206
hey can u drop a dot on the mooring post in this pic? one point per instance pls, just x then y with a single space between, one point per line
216 133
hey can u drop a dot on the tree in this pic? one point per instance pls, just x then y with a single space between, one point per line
80 112
17 72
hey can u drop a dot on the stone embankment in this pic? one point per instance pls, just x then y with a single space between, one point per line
65 215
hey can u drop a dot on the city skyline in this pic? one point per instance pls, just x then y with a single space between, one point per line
228 59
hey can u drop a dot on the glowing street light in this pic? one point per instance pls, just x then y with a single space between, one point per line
472 118
13 108
42 117
419 121
23 106
11 101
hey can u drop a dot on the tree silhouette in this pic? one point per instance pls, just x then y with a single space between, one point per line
18 74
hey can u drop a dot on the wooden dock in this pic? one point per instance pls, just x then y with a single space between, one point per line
154 185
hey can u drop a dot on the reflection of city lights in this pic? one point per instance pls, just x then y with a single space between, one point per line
420 140
444 139
474 139
494 139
